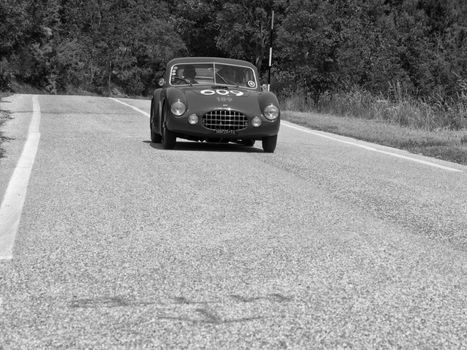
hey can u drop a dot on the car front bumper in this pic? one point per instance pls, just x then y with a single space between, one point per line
181 127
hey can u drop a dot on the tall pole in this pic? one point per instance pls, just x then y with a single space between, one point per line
270 49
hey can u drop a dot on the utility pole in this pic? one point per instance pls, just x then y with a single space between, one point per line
270 49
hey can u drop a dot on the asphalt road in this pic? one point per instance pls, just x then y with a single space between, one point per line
327 243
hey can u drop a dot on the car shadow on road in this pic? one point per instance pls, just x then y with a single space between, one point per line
208 147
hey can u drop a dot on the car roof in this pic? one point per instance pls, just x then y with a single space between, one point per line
181 60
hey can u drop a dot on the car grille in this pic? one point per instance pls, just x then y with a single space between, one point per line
224 120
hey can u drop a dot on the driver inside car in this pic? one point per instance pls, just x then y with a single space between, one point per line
189 74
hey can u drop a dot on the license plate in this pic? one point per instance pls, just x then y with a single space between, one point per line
226 132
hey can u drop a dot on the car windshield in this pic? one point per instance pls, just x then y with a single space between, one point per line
212 73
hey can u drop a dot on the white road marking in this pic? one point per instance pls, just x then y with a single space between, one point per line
135 108
13 201
369 148
321 134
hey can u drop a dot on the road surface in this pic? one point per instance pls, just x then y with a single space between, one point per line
111 242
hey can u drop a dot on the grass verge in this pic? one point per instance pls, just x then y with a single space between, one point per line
4 116
443 144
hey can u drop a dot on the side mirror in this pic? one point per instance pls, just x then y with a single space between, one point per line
264 87
161 82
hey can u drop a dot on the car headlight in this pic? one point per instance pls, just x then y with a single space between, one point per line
271 112
178 108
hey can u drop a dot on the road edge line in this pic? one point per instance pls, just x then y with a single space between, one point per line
128 105
15 194
368 148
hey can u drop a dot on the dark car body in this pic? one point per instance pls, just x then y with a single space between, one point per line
221 101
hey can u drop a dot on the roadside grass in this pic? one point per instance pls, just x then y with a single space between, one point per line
4 116
396 107
450 145
437 128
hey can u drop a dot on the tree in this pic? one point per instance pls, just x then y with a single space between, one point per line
307 43
13 25
195 21
244 29
116 42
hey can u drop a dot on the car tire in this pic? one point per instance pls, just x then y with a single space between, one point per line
155 137
248 142
269 144
168 137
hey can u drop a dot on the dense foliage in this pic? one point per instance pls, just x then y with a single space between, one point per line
322 47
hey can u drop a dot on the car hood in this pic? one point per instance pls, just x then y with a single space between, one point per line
208 98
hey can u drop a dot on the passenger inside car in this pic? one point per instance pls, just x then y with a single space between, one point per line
189 74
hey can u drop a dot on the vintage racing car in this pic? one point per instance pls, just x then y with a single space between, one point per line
214 100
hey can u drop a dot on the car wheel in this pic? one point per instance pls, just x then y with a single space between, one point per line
155 137
248 142
269 144
168 137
